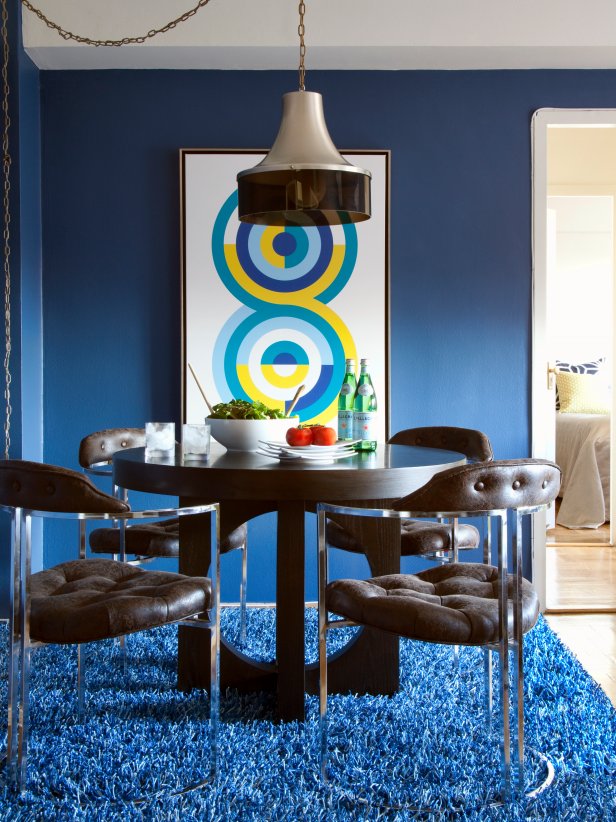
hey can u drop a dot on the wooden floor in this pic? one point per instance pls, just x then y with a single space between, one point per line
581 578
592 639
559 535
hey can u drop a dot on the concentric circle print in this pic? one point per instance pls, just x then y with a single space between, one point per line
315 243
266 357
271 263
285 363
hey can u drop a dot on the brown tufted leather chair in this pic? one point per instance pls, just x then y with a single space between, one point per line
86 600
145 541
432 540
456 603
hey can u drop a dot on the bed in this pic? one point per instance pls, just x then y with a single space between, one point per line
583 454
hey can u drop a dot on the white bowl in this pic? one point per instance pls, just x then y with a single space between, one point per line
244 435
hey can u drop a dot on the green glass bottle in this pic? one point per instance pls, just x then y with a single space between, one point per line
364 411
345 402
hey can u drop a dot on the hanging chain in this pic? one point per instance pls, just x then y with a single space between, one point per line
7 221
301 30
124 41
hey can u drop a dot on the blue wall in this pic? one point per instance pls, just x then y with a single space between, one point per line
460 234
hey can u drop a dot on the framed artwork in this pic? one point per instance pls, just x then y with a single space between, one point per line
269 308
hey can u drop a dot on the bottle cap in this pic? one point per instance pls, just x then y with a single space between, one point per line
364 362
350 361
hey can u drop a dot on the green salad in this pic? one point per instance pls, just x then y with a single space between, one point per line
244 410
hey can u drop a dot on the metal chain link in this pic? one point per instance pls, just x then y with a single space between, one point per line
6 231
124 41
301 30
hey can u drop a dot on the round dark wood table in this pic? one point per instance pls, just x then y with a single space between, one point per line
248 485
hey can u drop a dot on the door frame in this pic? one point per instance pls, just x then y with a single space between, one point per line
541 120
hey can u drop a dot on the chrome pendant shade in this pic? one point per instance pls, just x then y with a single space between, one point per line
303 180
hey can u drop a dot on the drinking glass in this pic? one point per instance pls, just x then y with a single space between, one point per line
195 441
159 439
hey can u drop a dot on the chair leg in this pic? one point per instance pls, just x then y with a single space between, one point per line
122 494
24 653
454 558
14 645
505 740
81 681
486 529
215 648
454 539
322 584
214 701
323 699
82 538
487 541
489 701
24 718
123 656
14 657
243 592
518 638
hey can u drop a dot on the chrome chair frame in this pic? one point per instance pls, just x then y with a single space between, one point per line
105 469
445 557
473 455
21 645
512 757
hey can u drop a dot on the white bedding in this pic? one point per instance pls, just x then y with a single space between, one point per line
583 454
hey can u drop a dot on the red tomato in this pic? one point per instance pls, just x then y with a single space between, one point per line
324 436
299 436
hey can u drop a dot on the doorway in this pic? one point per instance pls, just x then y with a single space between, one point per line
574 191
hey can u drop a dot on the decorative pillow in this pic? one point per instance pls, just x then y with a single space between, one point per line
583 393
592 367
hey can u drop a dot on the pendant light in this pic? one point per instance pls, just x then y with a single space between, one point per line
303 180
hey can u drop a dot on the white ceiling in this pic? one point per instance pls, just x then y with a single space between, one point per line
340 34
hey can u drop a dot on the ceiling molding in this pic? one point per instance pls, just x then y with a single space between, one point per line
340 34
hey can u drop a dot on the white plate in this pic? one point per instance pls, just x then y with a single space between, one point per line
277 452
340 446
289 455
320 457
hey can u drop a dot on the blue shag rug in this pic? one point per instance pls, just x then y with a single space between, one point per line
427 745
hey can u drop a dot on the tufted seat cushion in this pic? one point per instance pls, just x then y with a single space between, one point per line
417 537
155 539
453 604
90 599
